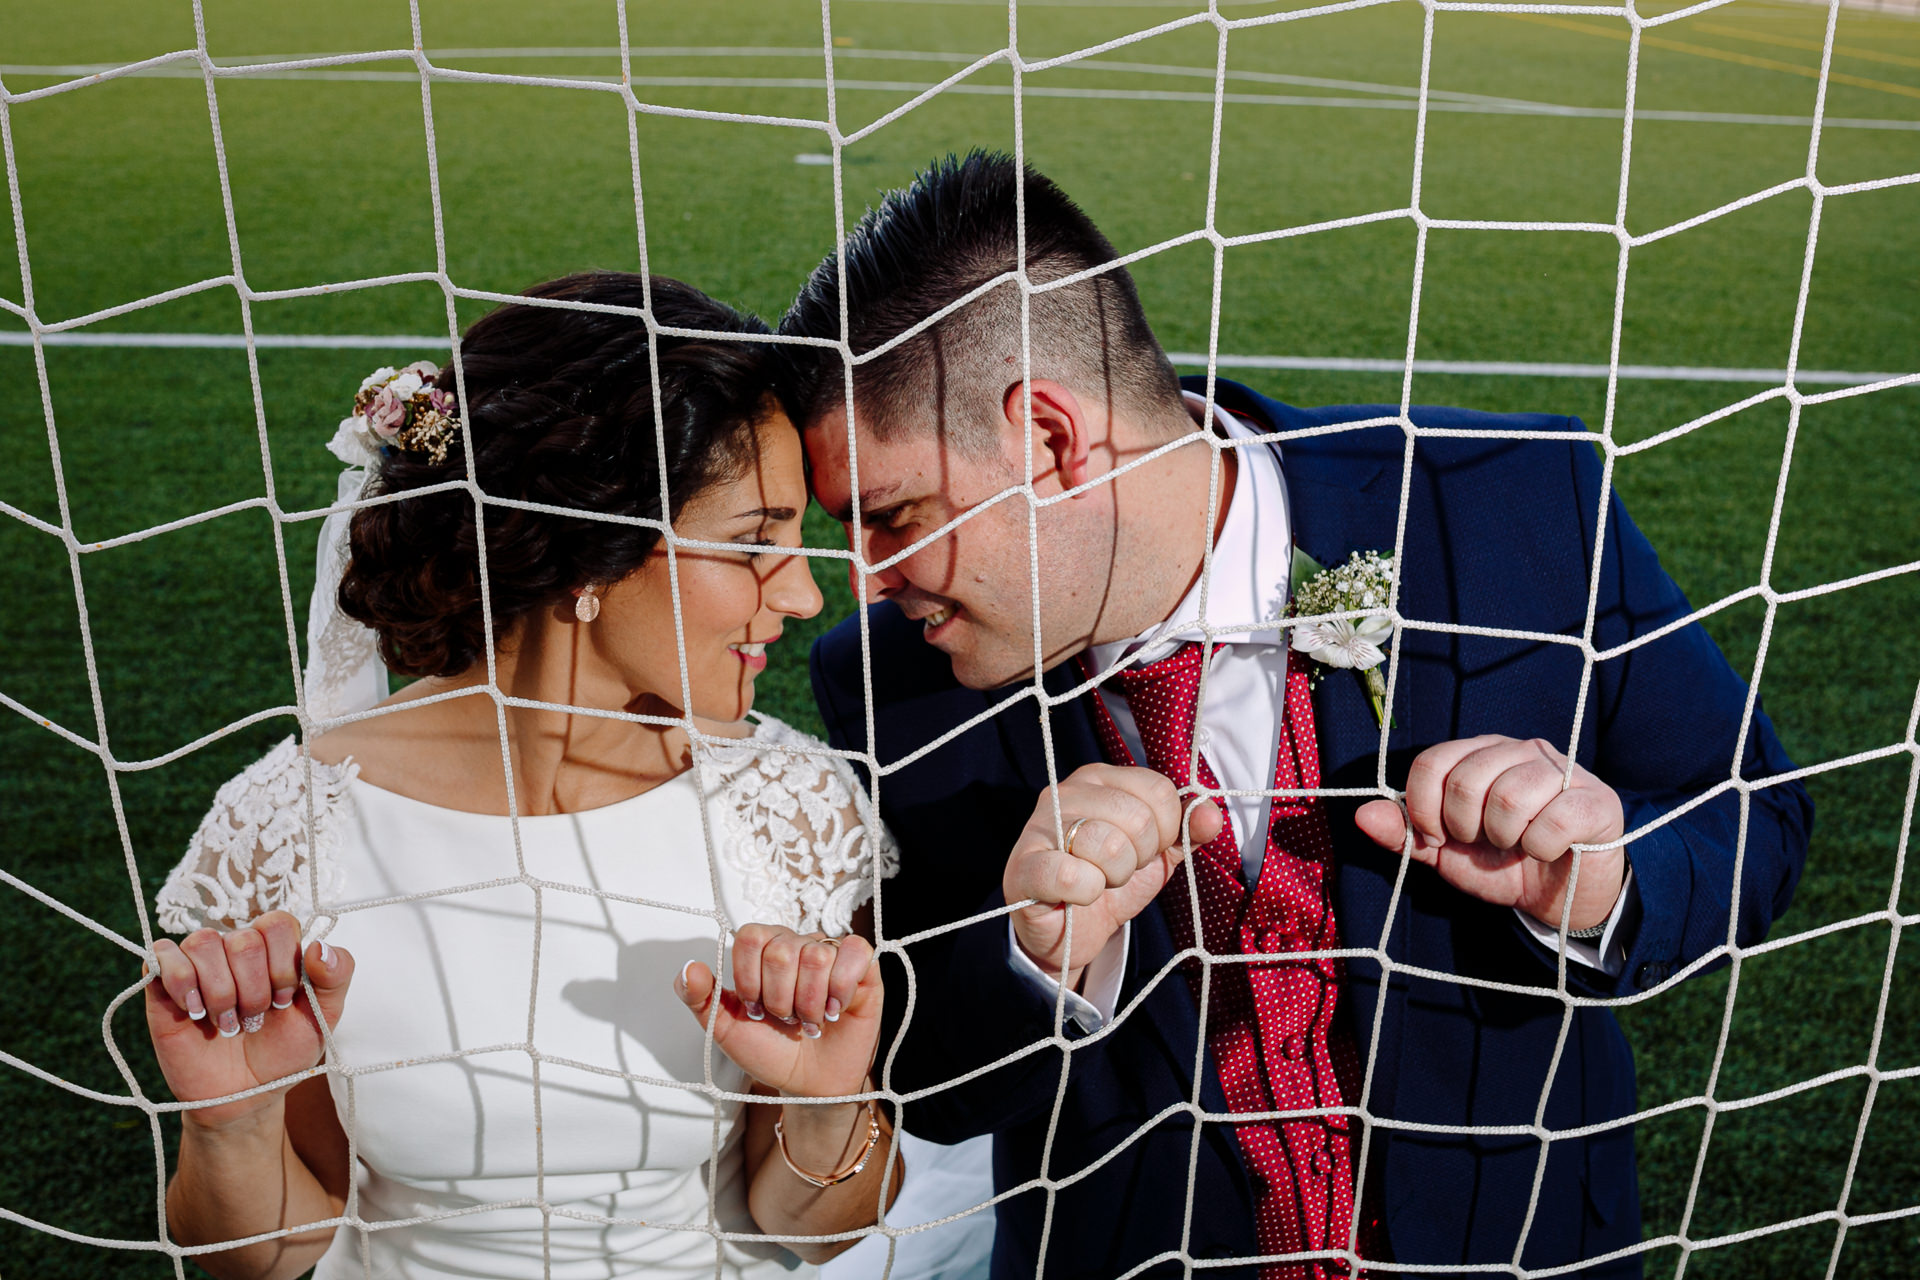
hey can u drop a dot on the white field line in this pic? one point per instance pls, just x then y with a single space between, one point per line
1401 98
1332 364
227 341
735 53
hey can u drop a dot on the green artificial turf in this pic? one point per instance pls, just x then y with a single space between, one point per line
189 631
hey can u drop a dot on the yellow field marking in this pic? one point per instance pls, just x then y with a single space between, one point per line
1792 42
1887 27
1722 55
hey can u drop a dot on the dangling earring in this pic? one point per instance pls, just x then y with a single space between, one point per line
586 605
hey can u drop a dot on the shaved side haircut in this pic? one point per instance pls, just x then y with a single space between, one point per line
955 228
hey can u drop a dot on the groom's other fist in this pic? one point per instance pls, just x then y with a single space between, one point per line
1497 817
1122 839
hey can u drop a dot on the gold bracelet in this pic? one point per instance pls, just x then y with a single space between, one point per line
840 1175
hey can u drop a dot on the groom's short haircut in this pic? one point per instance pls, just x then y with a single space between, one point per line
952 230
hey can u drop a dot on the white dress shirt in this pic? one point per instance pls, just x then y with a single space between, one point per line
1242 698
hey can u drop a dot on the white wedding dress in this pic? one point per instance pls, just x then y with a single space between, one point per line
525 1095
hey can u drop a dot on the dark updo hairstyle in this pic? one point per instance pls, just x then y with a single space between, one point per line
560 409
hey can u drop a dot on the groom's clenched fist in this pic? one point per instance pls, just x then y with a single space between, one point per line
1123 841
1496 817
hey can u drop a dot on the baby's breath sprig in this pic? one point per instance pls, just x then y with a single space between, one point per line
1363 586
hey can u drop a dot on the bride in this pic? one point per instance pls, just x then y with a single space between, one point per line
525 891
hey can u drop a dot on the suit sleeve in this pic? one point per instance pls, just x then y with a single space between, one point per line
1673 735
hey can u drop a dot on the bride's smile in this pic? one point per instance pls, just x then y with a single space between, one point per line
734 602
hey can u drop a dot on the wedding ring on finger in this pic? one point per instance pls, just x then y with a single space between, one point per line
1073 831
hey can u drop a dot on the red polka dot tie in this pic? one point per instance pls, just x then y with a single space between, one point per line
1270 1025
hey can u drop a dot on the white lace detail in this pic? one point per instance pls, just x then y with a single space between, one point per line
250 854
799 831
806 842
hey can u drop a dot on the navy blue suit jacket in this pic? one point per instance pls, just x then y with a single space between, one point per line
1499 534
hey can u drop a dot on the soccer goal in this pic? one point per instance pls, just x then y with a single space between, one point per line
1692 226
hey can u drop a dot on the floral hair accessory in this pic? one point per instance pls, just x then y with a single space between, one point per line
1363 583
397 409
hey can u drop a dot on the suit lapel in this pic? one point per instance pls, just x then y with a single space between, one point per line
1074 741
1338 508
1169 1015
1330 524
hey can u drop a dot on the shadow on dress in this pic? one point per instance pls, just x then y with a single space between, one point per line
639 1001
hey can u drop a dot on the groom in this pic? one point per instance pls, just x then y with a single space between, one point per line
1402 1058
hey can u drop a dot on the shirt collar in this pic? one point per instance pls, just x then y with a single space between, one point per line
1252 558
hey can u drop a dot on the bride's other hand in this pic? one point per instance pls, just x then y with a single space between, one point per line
803 1016
228 1013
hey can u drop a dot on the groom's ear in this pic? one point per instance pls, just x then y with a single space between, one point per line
1061 431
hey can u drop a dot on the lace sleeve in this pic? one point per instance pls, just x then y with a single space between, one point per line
808 842
251 853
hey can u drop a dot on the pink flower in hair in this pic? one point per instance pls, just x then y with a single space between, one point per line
386 413
442 401
425 370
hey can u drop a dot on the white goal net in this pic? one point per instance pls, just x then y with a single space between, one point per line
823 141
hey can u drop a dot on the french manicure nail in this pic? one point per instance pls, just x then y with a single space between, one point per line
756 1011
196 1008
809 1030
229 1025
326 955
283 997
787 1021
253 1022
833 1009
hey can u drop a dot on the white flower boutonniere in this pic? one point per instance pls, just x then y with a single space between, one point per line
1364 583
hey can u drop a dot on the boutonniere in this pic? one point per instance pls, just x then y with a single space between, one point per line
1363 584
